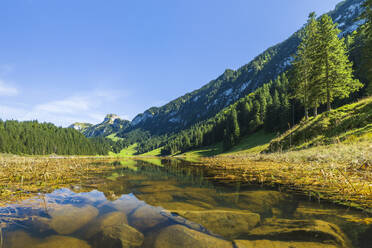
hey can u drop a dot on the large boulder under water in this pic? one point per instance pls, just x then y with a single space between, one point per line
67 219
227 223
300 230
181 236
112 230
21 239
147 217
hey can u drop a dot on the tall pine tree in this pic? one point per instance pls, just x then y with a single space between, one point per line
304 66
333 71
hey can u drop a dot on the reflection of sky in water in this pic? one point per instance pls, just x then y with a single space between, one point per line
38 206
66 196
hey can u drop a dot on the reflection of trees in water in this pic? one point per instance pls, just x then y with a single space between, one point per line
181 171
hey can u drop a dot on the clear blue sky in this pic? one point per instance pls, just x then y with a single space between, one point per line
76 60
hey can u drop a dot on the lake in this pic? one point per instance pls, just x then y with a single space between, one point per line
174 203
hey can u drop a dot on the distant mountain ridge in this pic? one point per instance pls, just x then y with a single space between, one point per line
232 85
111 124
80 126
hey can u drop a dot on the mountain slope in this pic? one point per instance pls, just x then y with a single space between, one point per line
111 124
80 126
232 85
228 88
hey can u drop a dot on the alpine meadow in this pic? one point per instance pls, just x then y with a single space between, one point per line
275 153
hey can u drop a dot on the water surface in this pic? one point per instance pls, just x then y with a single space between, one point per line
173 203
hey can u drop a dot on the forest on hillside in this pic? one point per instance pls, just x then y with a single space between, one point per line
327 69
34 138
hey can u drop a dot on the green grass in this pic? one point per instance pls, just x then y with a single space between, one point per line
113 137
342 124
126 152
252 143
156 152
203 152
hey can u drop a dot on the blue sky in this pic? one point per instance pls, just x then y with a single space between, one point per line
64 61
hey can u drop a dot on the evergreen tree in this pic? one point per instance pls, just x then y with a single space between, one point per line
304 66
273 113
333 71
235 126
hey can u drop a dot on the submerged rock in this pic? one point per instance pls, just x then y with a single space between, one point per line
147 217
300 230
127 204
311 210
181 236
21 239
260 201
41 224
279 244
155 199
112 230
56 241
201 204
110 219
68 219
352 223
158 187
229 224
196 194
182 206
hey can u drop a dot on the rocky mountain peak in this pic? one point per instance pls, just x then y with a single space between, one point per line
80 126
110 118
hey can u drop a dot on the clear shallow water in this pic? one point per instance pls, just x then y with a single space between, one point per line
172 203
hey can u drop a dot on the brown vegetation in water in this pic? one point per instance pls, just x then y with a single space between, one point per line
346 183
20 176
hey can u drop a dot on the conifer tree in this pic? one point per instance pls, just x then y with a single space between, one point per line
304 66
333 71
235 127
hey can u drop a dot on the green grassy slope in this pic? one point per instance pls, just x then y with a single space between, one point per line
126 152
203 151
156 152
347 123
255 142
113 137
